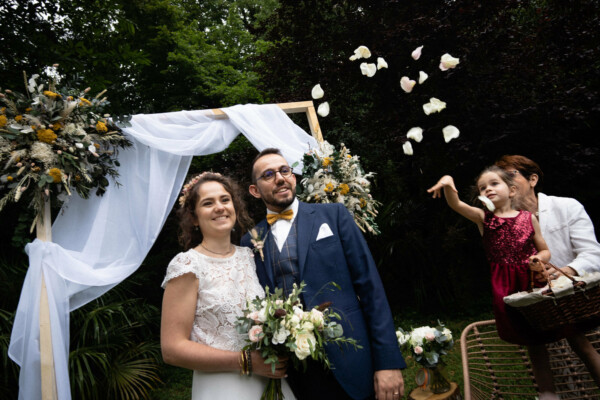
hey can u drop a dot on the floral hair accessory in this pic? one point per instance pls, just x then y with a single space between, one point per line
188 186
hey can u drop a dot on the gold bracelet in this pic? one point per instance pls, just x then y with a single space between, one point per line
242 362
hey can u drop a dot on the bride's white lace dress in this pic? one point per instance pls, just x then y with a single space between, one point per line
224 285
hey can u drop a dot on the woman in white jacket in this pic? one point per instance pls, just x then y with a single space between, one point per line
569 234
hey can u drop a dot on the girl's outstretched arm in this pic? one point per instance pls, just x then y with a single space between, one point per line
471 213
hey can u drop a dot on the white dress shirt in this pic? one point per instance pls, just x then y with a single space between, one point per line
569 233
281 229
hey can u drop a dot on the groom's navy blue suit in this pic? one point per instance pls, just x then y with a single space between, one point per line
345 259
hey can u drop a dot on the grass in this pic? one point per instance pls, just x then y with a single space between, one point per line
178 381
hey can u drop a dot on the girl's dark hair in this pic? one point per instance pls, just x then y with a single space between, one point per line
504 175
189 235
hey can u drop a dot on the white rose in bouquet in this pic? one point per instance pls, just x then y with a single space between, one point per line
305 342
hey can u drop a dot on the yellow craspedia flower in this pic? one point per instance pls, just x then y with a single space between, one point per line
348 156
3 121
56 126
19 118
101 127
329 187
344 188
46 136
96 145
363 203
84 102
56 174
327 161
2 110
9 178
50 94
28 109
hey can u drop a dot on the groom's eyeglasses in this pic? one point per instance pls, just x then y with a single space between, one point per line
269 174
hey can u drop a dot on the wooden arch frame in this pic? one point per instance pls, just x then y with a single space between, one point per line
44 232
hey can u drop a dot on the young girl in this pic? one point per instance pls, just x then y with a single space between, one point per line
513 245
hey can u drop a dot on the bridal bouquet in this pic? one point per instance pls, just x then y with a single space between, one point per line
279 326
336 176
54 141
426 344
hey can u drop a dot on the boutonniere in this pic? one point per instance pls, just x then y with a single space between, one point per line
258 242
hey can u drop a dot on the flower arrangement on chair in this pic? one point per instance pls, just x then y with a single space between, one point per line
54 141
427 345
336 176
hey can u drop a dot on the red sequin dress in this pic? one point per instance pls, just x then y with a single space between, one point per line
508 244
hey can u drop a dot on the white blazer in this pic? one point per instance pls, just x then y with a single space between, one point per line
569 233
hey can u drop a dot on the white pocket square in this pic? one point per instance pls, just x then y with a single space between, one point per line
324 231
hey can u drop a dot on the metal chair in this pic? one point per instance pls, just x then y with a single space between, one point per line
495 369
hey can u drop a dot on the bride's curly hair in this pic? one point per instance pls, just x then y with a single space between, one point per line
189 234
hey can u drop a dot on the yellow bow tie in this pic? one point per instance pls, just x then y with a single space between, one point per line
272 218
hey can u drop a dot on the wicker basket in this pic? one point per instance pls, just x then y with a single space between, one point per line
555 312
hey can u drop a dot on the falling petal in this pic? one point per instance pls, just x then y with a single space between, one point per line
323 109
381 63
317 92
368 69
447 62
416 54
434 105
422 77
487 203
415 134
407 148
407 84
360 52
450 132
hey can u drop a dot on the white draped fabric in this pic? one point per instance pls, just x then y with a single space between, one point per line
99 242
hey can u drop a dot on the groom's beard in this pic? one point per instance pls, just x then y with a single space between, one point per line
283 203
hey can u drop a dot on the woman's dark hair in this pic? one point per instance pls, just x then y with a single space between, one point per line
504 175
524 165
189 235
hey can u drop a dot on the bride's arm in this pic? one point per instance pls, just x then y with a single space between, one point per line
178 313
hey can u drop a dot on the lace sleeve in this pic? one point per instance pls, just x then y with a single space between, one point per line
183 263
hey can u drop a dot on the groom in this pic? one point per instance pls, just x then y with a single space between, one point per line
318 244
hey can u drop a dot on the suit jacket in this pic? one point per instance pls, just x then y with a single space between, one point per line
345 259
569 233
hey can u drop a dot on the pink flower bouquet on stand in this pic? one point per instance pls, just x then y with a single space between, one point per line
278 326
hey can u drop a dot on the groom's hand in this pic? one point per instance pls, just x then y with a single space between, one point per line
389 384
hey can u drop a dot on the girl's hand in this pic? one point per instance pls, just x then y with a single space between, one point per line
445 180
536 265
259 367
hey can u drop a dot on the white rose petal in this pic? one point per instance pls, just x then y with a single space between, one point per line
447 62
79 145
381 63
434 105
407 148
407 84
323 109
415 134
368 69
422 77
416 54
450 132
317 92
487 203
360 52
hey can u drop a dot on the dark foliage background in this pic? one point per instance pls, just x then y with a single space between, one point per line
527 83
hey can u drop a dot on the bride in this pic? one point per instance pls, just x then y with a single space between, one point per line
206 288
